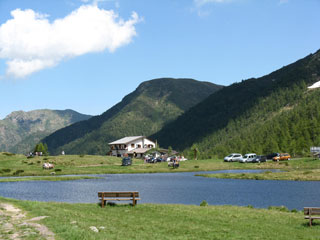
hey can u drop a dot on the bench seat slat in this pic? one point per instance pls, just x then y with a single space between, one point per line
120 199
310 217
119 194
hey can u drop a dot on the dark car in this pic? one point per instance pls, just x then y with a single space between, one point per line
126 161
259 158
272 155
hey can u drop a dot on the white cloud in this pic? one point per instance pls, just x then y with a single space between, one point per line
30 43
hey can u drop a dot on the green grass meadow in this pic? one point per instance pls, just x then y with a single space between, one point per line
153 221
19 165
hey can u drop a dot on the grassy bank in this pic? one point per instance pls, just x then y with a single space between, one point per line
309 175
19 165
46 178
151 221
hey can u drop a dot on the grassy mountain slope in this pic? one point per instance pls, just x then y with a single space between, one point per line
276 112
142 112
20 131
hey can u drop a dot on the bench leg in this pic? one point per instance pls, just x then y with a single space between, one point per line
102 202
310 222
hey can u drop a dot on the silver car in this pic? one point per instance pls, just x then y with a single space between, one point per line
233 157
249 157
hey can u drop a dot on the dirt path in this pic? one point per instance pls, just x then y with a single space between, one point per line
15 225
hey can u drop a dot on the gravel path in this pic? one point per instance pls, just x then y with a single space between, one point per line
15 225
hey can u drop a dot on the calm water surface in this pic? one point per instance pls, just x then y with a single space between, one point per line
181 188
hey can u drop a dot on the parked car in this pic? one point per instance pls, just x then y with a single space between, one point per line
233 157
272 155
282 156
259 158
126 161
249 157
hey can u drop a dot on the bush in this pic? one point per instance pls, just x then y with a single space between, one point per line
81 155
58 170
18 172
196 166
8 154
249 206
6 170
204 203
294 210
45 158
30 163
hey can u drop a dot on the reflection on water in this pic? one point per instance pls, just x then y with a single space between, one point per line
182 188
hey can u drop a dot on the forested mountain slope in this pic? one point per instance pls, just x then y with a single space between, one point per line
273 113
20 131
142 112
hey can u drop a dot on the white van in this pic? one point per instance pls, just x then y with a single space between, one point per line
249 157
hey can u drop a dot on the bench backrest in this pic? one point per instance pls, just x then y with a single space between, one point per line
118 194
311 211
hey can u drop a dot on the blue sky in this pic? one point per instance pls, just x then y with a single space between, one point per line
87 55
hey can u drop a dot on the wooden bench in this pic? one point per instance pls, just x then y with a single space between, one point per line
118 196
311 213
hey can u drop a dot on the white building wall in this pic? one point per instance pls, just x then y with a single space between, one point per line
139 143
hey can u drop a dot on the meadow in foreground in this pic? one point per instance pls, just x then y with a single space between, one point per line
154 221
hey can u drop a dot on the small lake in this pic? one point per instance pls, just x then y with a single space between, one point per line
176 188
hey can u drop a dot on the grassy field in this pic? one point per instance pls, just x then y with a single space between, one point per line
46 178
19 165
152 221
293 175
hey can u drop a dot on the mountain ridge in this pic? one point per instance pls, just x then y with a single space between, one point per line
141 112
21 130
228 112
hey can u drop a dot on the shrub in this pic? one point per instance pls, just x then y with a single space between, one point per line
204 203
196 166
30 156
249 206
18 172
8 154
81 155
257 177
58 170
45 158
30 163
38 161
294 210
6 170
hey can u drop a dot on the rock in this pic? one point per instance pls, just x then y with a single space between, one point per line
93 228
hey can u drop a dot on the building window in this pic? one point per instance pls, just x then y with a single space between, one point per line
139 146
132 145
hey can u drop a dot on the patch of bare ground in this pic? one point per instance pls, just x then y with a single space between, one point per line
14 224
